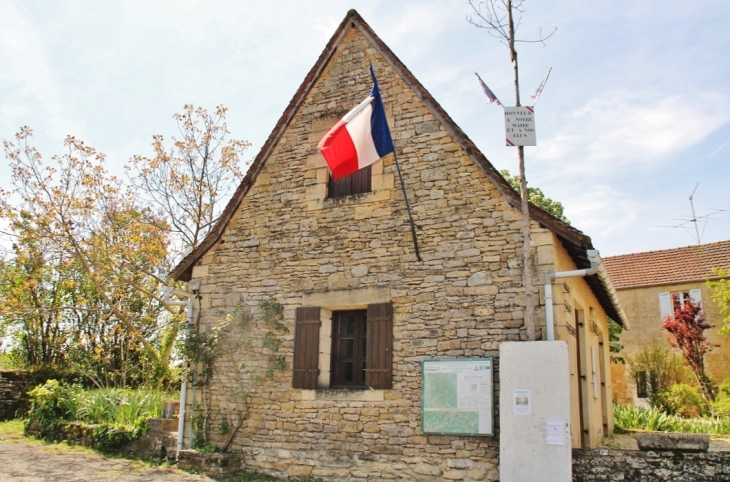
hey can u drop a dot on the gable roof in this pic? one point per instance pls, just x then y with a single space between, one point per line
668 266
574 241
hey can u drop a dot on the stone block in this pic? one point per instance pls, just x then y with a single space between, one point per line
679 442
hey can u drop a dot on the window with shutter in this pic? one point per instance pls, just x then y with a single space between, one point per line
356 183
361 354
306 348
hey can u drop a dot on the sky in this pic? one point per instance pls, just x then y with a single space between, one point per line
634 116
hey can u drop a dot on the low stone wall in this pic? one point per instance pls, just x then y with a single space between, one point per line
211 464
160 440
14 388
606 464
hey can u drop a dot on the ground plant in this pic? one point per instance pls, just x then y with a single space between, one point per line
110 417
628 417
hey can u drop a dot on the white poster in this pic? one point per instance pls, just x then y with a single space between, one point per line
519 126
522 401
555 429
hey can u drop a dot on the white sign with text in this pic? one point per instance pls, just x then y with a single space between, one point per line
519 126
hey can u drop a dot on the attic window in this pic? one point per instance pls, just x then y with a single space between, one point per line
356 183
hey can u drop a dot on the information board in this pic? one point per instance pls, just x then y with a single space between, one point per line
456 396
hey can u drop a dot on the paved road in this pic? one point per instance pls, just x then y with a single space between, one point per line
30 461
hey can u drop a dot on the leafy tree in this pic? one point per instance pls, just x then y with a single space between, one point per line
614 343
686 332
83 215
721 296
498 18
537 197
188 179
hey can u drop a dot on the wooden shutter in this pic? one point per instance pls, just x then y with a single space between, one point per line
356 183
696 296
306 348
665 305
379 370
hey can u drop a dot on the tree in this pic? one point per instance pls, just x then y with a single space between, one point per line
537 197
497 17
86 217
187 180
721 296
686 332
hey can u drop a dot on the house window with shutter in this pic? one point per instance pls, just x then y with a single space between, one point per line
361 354
669 301
357 183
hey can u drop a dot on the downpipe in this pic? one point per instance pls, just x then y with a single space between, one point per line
595 260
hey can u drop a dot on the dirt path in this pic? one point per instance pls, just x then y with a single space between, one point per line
24 460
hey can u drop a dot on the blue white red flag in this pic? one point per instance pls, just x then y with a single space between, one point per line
360 138
487 91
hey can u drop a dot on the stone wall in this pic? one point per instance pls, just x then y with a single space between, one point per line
14 388
605 464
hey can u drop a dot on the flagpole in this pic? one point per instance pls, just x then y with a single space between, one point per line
408 208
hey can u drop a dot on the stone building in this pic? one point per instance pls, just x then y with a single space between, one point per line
361 310
646 284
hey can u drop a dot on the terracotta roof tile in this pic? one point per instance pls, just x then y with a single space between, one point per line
668 266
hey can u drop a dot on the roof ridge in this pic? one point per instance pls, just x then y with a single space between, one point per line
688 247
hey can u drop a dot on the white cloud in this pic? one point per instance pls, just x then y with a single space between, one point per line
619 128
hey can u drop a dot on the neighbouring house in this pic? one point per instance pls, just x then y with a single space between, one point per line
647 283
362 312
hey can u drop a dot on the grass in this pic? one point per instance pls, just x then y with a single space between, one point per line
636 418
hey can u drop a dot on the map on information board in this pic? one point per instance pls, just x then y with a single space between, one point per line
456 396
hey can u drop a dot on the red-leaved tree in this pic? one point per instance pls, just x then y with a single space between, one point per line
686 332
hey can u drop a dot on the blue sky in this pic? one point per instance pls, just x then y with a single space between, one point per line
634 115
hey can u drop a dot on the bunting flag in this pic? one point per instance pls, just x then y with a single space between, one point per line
360 138
490 95
542 86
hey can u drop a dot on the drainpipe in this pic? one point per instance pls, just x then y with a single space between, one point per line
188 304
595 260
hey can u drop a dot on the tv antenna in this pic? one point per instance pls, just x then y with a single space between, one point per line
695 220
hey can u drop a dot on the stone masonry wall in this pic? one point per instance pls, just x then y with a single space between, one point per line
14 388
289 242
604 464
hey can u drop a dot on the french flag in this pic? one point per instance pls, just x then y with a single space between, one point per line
358 139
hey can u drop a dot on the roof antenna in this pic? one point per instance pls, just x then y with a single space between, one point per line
694 219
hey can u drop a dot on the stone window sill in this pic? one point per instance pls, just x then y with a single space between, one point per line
330 394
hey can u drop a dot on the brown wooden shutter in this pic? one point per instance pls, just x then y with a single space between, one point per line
306 348
379 370
356 183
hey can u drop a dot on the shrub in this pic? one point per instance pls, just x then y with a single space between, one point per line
682 400
662 367
52 403
721 405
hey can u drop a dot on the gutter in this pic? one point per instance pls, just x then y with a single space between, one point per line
598 268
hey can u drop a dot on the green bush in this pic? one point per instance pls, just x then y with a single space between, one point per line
682 400
662 367
52 403
721 405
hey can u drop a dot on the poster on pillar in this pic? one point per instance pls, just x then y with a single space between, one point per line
519 126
